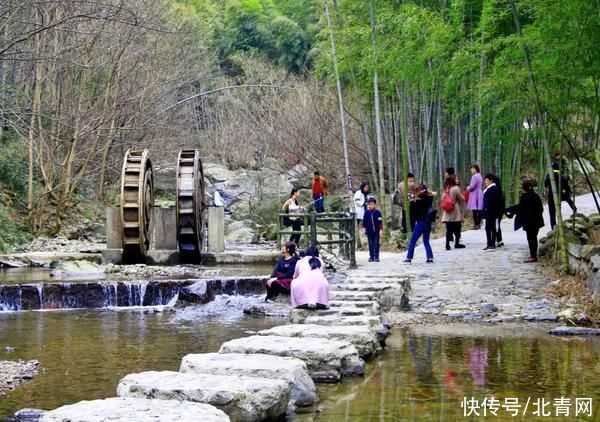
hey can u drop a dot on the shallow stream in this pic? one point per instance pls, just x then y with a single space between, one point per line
424 373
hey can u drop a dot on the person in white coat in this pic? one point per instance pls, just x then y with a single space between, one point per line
360 201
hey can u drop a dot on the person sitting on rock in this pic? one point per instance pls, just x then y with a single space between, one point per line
281 277
311 289
303 264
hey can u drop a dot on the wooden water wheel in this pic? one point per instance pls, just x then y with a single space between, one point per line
137 203
190 206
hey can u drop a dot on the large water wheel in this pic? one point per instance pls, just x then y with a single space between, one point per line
190 206
137 203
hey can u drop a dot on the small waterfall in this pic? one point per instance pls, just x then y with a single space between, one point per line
109 289
173 300
142 290
40 289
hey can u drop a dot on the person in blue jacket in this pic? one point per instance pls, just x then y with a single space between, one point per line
373 226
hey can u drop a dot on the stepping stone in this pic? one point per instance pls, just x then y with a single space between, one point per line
291 370
242 398
348 295
327 360
135 409
574 331
361 337
373 322
356 303
298 316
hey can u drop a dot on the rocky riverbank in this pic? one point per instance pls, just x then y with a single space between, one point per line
14 374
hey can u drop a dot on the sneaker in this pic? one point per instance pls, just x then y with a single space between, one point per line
376 260
499 244
530 259
429 261
448 247
371 260
459 246
269 300
489 248
407 260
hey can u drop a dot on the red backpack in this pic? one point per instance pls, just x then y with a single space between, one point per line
447 202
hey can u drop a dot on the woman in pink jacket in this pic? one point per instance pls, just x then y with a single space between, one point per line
475 202
311 289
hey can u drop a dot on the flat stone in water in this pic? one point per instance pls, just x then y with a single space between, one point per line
574 331
135 409
373 322
242 398
292 370
327 360
361 337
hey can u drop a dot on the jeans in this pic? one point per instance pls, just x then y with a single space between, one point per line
499 230
422 228
532 241
373 245
477 217
319 203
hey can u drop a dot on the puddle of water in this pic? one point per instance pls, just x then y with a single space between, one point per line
85 353
426 371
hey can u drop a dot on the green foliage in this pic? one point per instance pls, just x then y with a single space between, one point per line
14 167
13 233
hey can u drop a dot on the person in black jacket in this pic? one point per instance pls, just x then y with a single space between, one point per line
491 210
283 273
529 214
562 181
499 241
422 207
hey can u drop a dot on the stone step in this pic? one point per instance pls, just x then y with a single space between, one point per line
375 279
135 409
373 322
370 304
291 370
361 337
349 295
298 316
242 398
355 287
327 360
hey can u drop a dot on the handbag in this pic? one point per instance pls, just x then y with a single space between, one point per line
466 195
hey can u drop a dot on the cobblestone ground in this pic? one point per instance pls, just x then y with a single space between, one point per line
471 284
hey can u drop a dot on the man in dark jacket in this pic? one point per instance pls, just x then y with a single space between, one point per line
562 182
491 209
373 225
529 214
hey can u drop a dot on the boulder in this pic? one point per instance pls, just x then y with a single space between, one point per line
240 231
291 370
327 360
242 398
373 322
135 409
76 268
196 293
215 172
361 337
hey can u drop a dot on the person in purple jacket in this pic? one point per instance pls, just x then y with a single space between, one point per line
475 202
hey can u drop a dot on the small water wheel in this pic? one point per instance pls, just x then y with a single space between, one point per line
137 203
190 206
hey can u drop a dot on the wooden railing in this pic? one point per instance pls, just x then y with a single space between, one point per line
324 229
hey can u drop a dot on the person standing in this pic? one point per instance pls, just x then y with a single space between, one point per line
319 191
491 209
452 217
405 195
565 192
293 208
529 214
373 226
475 201
424 215
360 205
502 204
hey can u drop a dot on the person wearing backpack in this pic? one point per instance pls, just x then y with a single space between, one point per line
491 210
453 203
425 214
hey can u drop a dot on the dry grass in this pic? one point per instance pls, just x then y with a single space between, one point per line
572 289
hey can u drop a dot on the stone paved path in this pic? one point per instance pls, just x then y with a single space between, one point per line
472 284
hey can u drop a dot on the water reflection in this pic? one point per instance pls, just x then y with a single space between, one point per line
424 375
